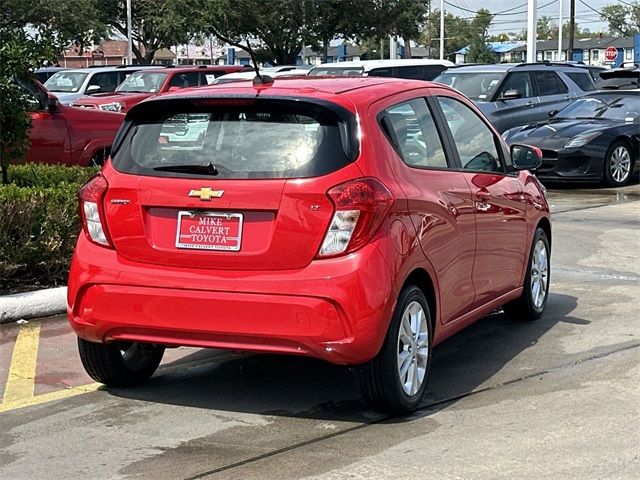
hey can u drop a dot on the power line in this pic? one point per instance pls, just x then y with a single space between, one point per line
591 8
502 13
602 14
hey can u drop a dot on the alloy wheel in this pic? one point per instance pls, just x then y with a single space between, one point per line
539 274
620 164
413 348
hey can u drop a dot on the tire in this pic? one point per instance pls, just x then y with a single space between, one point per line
120 364
618 164
535 293
380 378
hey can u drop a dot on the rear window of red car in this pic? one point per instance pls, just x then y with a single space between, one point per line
266 139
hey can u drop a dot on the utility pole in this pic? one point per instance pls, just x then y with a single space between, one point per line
129 35
572 29
560 33
441 29
532 24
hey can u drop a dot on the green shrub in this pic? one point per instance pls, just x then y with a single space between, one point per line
39 175
39 224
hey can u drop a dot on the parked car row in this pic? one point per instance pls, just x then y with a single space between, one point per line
584 135
73 86
149 82
515 97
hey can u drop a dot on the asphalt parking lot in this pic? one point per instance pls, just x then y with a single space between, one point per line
554 399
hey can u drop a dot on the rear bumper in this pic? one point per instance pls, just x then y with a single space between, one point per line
334 309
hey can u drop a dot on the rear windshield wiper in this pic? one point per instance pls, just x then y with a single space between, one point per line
198 169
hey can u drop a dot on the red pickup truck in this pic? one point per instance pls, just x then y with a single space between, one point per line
65 135
150 82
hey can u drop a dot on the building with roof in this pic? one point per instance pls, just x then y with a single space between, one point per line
590 51
587 50
502 50
109 52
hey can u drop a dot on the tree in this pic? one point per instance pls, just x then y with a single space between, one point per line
622 19
546 29
277 29
457 33
276 26
373 48
328 19
404 18
156 24
478 50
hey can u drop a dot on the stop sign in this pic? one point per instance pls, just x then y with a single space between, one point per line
610 54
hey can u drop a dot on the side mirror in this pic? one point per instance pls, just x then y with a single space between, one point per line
173 89
553 113
526 157
93 89
509 95
53 104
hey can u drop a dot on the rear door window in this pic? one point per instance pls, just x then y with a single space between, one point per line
415 134
549 83
256 141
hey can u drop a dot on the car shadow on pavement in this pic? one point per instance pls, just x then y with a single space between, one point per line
308 388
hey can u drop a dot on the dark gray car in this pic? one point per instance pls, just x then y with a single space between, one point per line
516 94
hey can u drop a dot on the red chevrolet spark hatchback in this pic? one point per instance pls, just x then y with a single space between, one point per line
357 220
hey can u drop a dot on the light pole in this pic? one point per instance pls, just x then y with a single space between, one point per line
129 35
560 32
531 30
441 29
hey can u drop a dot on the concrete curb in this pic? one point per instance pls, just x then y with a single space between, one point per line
39 303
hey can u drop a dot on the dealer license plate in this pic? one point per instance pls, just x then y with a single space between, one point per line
209 231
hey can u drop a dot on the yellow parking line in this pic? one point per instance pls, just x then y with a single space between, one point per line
22 369
49 397
18 392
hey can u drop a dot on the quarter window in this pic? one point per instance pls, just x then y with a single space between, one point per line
416 135
583 80
474 140
549 83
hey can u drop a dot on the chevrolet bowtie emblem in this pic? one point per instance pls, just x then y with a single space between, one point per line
205 193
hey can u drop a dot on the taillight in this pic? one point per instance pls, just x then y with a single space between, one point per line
360 207
91 211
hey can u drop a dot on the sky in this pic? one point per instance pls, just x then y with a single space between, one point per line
516 20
